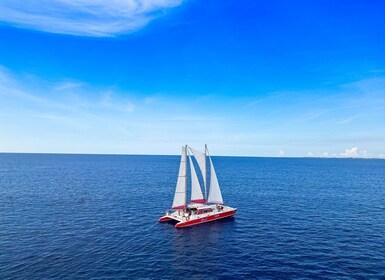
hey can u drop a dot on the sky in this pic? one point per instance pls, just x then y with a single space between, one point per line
249 78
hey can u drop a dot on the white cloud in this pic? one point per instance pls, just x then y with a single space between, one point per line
65 96
347 120
281 153
83 17
68 85
353 152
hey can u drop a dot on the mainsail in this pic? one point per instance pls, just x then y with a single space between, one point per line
196 191
180 191
215 195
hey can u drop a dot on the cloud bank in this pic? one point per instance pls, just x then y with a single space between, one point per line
72 116
355 152
97 18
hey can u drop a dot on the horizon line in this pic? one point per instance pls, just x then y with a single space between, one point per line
241 156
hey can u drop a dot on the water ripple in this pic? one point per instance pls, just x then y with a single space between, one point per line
95 217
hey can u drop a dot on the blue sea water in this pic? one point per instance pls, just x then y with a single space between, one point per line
95 217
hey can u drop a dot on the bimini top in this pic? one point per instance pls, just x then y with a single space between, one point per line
196 205
199 207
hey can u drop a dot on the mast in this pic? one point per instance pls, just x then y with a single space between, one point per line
205 178
185 172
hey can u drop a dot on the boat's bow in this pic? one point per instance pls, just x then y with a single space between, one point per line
170 217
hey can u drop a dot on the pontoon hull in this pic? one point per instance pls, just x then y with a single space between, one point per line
168 218
210 218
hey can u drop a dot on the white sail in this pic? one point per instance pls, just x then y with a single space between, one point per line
196 191
180 191
201 160
215 195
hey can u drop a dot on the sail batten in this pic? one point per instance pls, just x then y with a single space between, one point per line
180 190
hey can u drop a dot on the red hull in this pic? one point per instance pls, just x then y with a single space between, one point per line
206 219
164 219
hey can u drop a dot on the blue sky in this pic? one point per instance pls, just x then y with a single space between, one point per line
255 78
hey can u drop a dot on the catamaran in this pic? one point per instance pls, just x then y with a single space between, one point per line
202 208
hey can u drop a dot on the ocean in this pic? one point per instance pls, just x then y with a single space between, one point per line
95 217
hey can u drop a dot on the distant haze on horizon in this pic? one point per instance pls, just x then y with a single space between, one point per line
250 78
